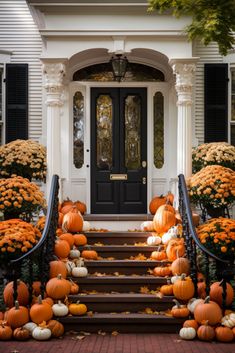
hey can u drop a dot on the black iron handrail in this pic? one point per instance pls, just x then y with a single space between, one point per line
224 268
188 212
49 218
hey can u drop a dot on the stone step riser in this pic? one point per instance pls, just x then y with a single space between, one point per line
116 287
121 270
117 239
124 307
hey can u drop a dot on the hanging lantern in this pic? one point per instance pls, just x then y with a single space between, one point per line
119 66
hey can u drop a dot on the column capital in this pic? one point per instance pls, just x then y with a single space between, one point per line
184 70
54 73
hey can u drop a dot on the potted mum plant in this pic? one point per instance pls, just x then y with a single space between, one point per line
26 158
213 189
220 153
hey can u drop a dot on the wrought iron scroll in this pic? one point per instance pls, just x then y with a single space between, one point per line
224 268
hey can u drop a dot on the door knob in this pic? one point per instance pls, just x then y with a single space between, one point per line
144 180
144 164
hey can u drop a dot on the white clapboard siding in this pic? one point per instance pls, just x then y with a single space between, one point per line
19 34
207 55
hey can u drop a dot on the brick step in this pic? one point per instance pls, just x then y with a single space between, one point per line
126 267
120 251
117 238
123 302
118 284
133 322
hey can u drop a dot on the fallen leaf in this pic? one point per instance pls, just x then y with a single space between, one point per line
148 311
85 333
144 290
126 312
102 333
99 244
115 333
90 313
80 337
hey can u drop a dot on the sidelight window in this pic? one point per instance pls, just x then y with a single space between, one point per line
78 130
158 129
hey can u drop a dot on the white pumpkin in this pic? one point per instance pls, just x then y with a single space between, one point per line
147 226
30 326
154 240
229 320
168 236
69 265
41 333
79 262
60 309
79 272
175 278
74 254
193 303
187 333
86 226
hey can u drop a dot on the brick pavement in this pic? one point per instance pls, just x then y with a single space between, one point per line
122 343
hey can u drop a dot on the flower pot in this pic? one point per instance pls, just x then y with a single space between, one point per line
215 212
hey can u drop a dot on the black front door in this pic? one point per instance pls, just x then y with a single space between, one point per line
118 150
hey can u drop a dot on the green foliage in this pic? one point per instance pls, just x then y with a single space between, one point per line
212 20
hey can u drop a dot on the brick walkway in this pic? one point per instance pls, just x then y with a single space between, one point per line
122 343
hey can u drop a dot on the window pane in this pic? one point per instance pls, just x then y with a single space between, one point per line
104 122
78 130
233 96
132 132
158 130
233 135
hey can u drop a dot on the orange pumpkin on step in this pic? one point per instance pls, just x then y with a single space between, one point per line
89 254
73 221
175 248
23 294
80 239
164 219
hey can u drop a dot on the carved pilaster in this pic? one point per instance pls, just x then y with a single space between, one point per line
184 82
54 74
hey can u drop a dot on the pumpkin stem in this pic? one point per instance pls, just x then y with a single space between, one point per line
59 276
207 299
17 305
39 299
183 276
176 303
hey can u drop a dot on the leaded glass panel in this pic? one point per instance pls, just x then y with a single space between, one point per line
158 130
78 130
132 132
104 122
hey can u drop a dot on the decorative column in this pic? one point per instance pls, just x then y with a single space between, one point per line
184 70
54 73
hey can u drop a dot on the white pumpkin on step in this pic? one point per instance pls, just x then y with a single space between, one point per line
154 240
147 226
86 226
171 234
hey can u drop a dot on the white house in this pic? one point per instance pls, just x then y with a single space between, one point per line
114 144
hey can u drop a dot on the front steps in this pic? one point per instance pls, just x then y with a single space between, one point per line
117 290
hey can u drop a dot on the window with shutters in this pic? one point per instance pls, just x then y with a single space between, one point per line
1 104
232 120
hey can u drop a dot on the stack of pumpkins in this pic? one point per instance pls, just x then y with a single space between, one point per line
21 321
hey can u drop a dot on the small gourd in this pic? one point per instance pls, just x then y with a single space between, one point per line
193 302
41 333
154 240
147 226
79 272
187 333
171 234
30 326
174 279
77 309
21 334
228 320
74 254
60 309
69 266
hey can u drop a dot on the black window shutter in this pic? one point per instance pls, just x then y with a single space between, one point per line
216 102
16 102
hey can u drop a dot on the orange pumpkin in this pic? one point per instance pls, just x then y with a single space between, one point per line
36 288
58 287
156 202
167 289
164 219
183 288
158 255
73 221
180 265
206 332
22 291
68 237
5 332
208 311
41 311
179 310
17 316
191 323
57 329
60 219
175 248
89 254
48 300
57 267
201 289
224 334
61 248
21 334
74 288
80 239
162 271
216 291
80 206
66 202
